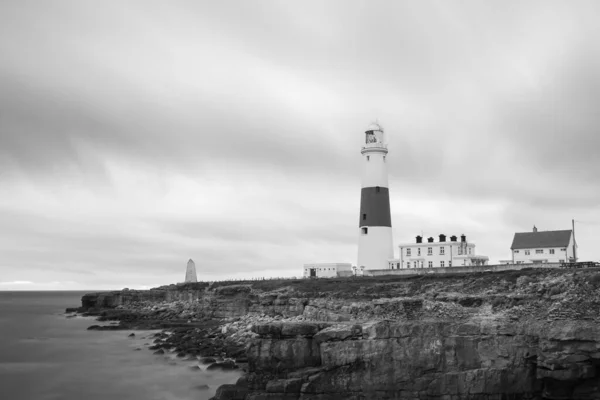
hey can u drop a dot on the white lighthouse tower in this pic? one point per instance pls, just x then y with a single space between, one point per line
375 245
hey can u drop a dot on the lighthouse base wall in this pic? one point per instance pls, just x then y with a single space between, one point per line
375 248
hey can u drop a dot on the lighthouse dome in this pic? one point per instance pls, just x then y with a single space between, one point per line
375 127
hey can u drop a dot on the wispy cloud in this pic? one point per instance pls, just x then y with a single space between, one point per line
136 136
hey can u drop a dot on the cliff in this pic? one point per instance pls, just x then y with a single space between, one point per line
505 335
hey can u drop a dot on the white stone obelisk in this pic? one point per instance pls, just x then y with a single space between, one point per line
190 272
375 246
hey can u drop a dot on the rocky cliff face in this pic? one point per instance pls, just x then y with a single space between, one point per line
476 359
508 335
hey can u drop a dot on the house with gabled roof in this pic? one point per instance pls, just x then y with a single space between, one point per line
539 247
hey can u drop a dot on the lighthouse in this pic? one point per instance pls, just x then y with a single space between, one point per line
375 245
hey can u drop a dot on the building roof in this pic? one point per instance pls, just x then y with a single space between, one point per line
530 240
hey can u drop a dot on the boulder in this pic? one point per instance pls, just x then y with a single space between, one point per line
230 392
223 366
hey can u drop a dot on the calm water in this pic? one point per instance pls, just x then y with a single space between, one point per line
46 356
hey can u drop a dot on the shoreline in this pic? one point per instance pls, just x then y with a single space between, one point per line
359 337
217 344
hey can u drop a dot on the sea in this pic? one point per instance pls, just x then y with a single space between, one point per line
46 354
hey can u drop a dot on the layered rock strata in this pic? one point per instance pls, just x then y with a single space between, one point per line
476 359
507 335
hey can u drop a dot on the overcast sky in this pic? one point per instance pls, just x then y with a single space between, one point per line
135 135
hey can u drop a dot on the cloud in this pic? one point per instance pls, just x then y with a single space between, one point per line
136 136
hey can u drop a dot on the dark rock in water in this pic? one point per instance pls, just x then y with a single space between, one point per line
131 335
242 381
230 392
137 349
241 360
161 351
71 316
195 368
191 358
104 328
72 309
223 366
181 354
207 360
202 387
155 347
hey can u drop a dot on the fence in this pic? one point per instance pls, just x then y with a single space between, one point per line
471 269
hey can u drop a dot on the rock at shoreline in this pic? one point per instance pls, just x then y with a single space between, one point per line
223 366
231 392
161 351
514 334
131 335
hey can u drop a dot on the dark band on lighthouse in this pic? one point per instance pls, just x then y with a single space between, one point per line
375 207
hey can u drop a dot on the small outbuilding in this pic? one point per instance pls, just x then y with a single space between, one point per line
327 270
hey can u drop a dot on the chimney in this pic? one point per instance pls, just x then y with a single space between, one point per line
442 238
430 240
419 239
453 238
534 229
463 238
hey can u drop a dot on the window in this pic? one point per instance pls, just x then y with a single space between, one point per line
421 264
469 250
449 263
430 264
368 158
365 231
460 251
442 251
408 264
562 261
398 265
516 251
364 217
415 264
563 249
539 251
551 251
527 252
419 251
442 264
408 252
430 251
